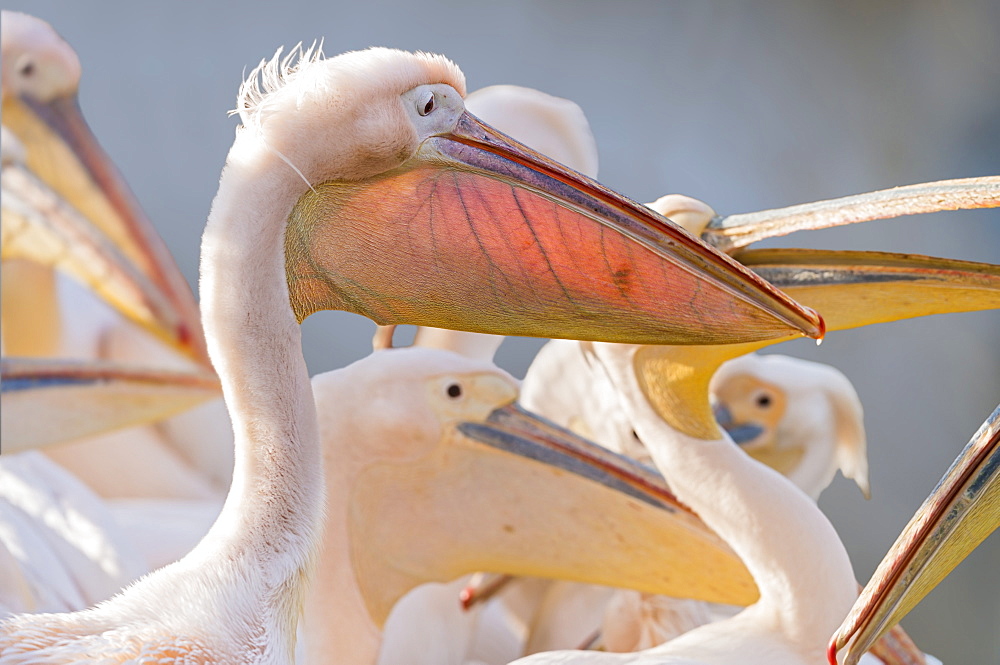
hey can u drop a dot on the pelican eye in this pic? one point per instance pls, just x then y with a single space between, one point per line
454 390
27 68
427 107
763 400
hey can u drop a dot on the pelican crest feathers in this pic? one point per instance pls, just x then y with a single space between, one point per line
271 75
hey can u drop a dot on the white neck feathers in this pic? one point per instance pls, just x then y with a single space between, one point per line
793 552
273 512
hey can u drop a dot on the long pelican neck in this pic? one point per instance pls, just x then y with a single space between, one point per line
269 526
791 549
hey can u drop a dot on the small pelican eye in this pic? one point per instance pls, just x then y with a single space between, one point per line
763 400
27 68
427 107
454 390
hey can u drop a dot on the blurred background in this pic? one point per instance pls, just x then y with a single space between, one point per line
746 107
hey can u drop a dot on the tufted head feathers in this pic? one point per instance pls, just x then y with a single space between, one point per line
349 105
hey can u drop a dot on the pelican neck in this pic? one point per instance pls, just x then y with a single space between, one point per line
790 548
273 512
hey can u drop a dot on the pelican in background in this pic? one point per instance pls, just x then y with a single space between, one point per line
455 478
752 507
802 418
41 75
60 547
961 512
811 416
326 201
65 206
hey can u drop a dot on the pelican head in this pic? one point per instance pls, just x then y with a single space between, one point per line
41 76
38 65
389 158
802 418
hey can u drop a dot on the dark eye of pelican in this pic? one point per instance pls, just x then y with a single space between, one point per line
764 401
454 390
27 69
427 107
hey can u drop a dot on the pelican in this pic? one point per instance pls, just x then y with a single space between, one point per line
424 499
41 75
769 522
960 513
811 416
66 207
360 182
802 418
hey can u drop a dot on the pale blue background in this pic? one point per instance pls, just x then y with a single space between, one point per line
745 107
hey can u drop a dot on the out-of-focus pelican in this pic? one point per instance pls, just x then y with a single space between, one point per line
808 424
66 207
360 182
801 418
961 512
60 547
41 74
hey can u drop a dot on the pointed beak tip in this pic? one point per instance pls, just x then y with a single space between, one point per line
820 326
813 324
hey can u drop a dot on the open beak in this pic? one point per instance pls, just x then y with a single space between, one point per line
852 288
958 515
49 401
62 152
735 231
516 494
490 236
